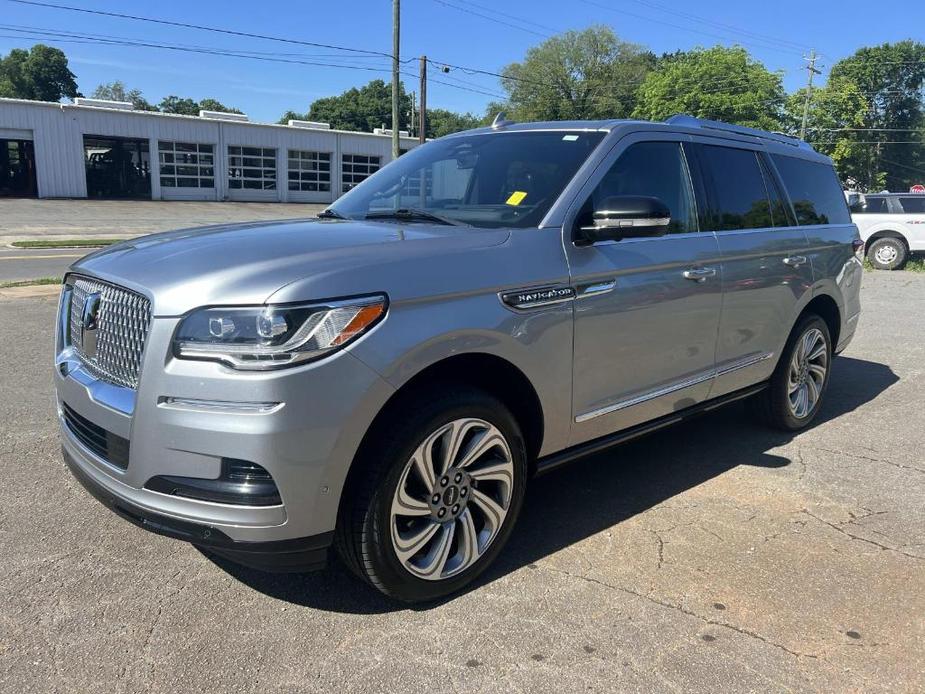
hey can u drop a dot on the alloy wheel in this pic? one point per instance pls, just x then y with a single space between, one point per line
806 377
452 499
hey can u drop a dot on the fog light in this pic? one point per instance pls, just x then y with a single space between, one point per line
242 483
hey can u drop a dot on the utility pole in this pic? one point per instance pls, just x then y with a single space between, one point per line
396 85
422 128
414 107
811 68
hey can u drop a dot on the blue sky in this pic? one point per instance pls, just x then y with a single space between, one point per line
777 33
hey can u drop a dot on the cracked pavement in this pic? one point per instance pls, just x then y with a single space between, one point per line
714 556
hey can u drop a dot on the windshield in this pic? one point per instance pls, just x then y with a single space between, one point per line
486 180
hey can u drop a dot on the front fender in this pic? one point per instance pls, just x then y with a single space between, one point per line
418 334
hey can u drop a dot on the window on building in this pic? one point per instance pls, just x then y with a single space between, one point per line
186 165
356 168
309 171
740 199
914 204
251 168
655 169
814 190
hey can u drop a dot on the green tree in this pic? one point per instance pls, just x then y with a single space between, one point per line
718 83
180 105
835 108
290 115
578 74
360 109
117 91
40 73
441 122
890 79
189 107
209 104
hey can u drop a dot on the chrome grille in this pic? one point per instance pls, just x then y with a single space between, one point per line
122 320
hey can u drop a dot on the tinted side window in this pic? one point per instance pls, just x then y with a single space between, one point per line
656 169
740 199
781 214
872 206
913 204
814 190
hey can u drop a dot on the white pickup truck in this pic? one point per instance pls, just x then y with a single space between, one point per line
892 226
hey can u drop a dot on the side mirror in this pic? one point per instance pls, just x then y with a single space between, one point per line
627 216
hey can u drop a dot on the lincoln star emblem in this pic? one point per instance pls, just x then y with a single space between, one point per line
89 323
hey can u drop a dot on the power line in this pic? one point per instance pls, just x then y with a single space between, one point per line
87 38
200 27
73 37
491 19
514 17
727 27
772 47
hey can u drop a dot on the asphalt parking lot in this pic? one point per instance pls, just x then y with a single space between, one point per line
30 220
715 556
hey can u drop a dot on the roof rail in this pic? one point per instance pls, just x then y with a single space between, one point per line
692 122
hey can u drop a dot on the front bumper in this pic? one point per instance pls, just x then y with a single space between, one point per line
186 417
299 554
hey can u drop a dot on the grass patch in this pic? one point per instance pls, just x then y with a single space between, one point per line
66 243
912 265
31 283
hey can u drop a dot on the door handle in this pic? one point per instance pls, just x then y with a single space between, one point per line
699 274
795 260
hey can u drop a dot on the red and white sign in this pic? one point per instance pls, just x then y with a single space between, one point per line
917 188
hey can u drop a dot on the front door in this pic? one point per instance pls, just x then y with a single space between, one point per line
647 309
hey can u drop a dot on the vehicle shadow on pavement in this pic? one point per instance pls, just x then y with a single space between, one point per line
600 491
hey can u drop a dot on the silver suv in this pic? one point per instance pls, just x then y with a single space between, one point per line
495 303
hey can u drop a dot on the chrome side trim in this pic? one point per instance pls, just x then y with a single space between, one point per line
219 406
745 363
674 387
645 397
596 288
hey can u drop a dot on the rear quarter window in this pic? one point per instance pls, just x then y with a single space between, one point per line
914 204
872 206
814 190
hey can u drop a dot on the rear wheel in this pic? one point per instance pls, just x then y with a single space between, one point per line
797 386
435 497
888 253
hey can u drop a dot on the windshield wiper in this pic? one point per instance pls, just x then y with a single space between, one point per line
330 214
409 213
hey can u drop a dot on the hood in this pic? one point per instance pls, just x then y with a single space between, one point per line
248 263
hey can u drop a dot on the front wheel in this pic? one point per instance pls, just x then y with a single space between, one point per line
435 497
797 386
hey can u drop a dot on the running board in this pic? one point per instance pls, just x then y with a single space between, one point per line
551 462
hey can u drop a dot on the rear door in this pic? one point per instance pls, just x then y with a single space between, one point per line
765 260
914 219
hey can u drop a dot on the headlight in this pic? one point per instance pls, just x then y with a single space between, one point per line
270 337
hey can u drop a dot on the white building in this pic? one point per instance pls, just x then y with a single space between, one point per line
105 149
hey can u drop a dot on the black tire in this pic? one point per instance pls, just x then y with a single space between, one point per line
773 406
888 253
363 537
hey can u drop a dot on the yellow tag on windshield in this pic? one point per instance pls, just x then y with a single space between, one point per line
516 198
